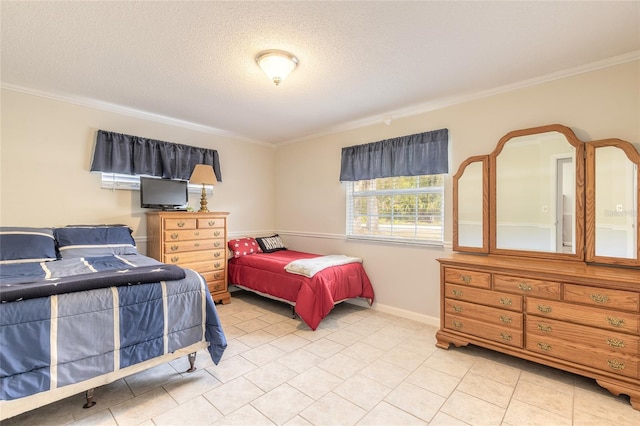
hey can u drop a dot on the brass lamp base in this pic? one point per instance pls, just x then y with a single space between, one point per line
203 201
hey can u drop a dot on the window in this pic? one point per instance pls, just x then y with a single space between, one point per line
132 183
403 209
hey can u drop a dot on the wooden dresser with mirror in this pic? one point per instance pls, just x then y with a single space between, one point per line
547 262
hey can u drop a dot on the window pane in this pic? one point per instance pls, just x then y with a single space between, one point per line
398 208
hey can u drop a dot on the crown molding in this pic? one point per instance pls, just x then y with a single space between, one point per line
132 112
468 97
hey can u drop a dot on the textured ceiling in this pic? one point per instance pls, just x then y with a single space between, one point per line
359 61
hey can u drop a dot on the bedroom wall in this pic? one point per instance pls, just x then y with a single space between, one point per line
310 201
45 156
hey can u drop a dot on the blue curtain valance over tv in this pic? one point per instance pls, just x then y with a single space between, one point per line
412 155
133 155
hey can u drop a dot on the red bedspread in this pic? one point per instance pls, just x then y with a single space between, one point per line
313 297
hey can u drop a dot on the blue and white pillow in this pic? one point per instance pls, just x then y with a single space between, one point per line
25 244
94 240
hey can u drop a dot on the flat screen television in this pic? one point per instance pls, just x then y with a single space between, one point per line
164 194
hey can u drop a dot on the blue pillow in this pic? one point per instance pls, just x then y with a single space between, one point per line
94 240
22 244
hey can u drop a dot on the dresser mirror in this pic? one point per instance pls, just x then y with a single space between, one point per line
471 205
538 193
550 195
612 202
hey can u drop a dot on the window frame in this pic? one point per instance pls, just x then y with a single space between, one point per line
416 240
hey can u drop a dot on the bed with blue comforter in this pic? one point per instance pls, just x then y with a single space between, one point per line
81 308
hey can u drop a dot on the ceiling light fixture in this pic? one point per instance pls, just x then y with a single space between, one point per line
277 64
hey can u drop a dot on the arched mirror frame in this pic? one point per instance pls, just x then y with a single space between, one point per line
633 156
484 160
579 254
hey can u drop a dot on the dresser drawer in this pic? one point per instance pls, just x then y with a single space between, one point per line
527 286
603 340
192 234
192 256
616 363
214 275
179 223
192 245
211 223
481 329
495 316
617 299
471 278
586 315
216 286
508 301
200 267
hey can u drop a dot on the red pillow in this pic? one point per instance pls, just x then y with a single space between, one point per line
244 246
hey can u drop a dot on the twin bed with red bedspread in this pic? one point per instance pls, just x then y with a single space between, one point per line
313 293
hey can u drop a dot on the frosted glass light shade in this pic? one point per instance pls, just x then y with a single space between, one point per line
277 64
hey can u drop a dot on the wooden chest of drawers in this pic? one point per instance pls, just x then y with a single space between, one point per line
196 241
569 315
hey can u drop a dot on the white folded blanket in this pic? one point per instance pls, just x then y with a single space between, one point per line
310 267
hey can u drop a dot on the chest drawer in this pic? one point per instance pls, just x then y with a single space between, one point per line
193 256
585 315
478 328
500 317
485 297
615 363
193 234
192 245
211 223
602 340
617 299
471 278
179 223
527 286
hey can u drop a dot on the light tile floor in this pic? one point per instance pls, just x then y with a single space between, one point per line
359 367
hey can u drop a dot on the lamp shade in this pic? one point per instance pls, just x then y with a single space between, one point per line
204 174
277 64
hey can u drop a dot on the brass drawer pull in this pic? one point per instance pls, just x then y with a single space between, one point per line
174 247
217 244
616 322
506 336
544 346
217 275
181 224
466 278
506 320
524 286
216 233
196 233
600 298
544 328
615 343
212 222
217 264
196 244
457 293
175 258
615 364
175 236
505 301
544 308
217 254
457 324
457 308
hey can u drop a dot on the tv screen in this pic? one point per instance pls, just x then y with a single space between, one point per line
165 194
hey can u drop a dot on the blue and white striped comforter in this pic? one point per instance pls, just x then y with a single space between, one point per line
51 342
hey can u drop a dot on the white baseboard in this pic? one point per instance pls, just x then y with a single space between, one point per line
403 313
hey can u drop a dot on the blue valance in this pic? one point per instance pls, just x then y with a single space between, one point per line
413 155
133 155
